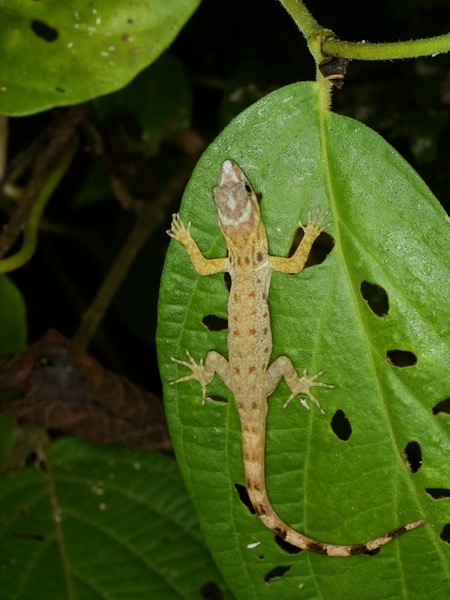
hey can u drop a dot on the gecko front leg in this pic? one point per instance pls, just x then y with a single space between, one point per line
295 263
182 233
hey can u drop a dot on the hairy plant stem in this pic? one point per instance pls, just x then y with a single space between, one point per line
330 45
387 51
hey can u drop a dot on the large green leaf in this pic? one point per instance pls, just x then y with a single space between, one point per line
58 53
388 230
101 522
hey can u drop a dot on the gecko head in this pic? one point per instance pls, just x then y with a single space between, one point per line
236 202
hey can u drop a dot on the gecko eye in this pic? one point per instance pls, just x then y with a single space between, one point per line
248 189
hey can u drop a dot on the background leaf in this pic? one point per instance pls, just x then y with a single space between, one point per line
12 339
73 51
101 523
388 230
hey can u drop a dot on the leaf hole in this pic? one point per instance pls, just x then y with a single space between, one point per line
31 460
29 535
287 547
442 407
22 511
220 399
401 358
215 323
35 461
373 552
413 456
438 493
445 533
375 297
227 281
322 247
44 31
244 497
211 591
276 573
341 425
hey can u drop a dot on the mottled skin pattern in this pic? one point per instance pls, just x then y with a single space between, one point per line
247 372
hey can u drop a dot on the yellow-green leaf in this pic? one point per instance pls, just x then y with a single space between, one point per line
59 53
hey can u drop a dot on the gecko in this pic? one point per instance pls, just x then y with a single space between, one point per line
247 372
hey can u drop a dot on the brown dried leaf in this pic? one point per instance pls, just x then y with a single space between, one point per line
61 387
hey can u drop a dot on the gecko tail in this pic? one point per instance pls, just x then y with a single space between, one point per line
273 522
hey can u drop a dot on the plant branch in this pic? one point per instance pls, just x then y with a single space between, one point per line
52 144
30 233
387 51
302 17
151 216
330 45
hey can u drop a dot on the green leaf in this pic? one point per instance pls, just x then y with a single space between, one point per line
100 522
12 340
58 53
12 318
388 230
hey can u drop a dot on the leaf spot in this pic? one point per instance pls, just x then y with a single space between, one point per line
276 573
413 455
401 358
375 297
438 493
44 31
215 323
287 547
219 399
445 533
442 407
29 535
341 425
244 497
211 591
227 281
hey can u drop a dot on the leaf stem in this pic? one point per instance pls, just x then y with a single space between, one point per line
151 216
302 17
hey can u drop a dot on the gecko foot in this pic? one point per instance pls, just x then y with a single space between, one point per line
198 372
303 386
178 230
315 223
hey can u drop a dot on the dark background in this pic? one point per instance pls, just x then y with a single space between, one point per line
238 44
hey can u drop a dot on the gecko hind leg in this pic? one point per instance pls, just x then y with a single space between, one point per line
197 372
204 371
303 385
283 367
